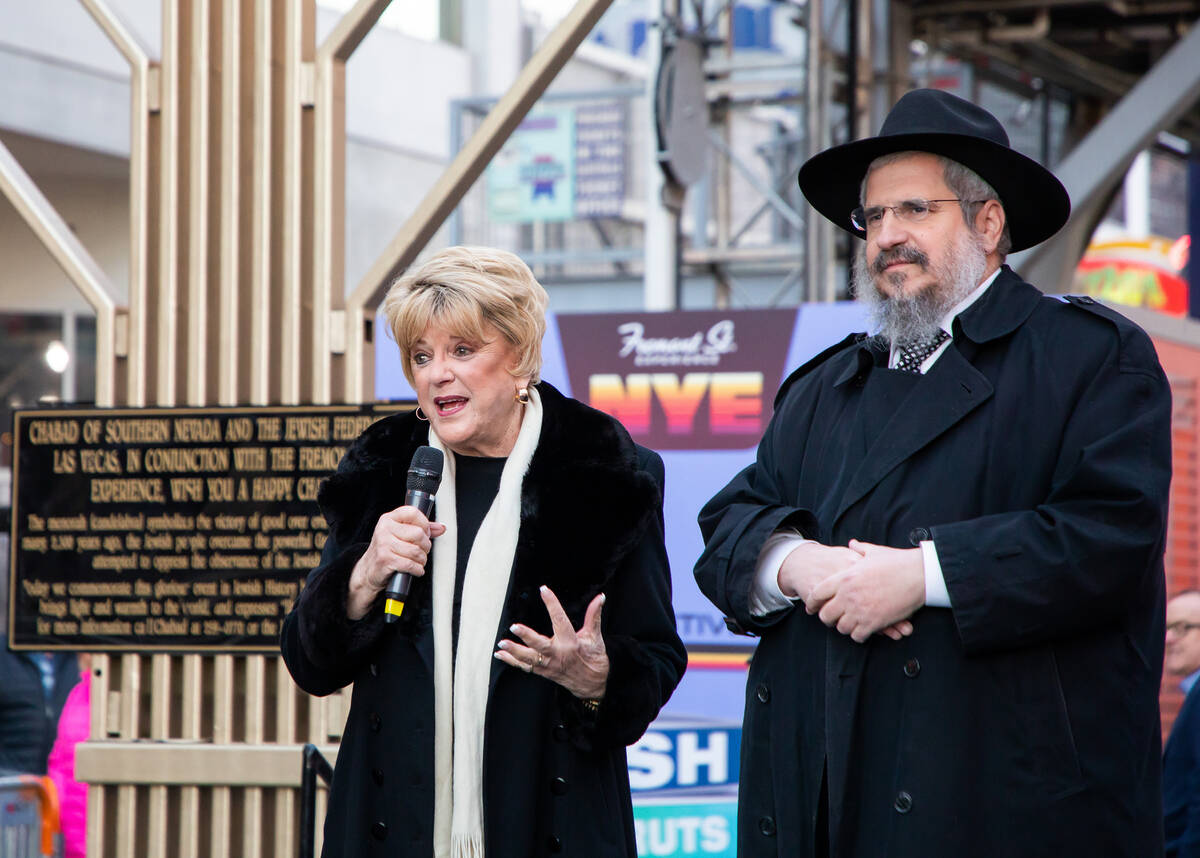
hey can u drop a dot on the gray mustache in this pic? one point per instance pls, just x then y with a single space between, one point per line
905 254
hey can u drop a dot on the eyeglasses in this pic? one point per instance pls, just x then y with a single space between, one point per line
1181 627
910 211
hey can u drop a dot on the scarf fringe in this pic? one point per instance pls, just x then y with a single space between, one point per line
467 846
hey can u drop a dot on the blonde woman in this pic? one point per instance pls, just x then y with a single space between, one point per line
538 639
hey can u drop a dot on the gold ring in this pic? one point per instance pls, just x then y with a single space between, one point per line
541 660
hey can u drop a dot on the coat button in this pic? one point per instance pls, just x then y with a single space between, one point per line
918 535
911 668
766 826
376 722
904 802
379 831
553 844
559 732
377 776
762 693
558 786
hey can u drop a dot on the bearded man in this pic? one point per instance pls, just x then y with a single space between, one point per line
951 540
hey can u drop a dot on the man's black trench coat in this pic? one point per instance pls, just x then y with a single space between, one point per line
1023 721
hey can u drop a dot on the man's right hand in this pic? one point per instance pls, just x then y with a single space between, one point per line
810 563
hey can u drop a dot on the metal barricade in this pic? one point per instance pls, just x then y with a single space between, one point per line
315 765
29 821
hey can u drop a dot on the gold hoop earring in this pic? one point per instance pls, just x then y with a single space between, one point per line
522 395
420 415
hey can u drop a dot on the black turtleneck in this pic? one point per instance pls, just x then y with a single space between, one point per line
476 481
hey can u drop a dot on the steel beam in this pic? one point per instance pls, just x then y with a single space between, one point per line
257 298
773 199
660 268
191 691
1093 167
457 179
198 206
293 354
158 817
70 254
230 203
966 7
329 187
143 94
165 308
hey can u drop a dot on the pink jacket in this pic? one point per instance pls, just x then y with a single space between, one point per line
73 727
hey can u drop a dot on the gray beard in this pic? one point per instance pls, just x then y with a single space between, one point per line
914 318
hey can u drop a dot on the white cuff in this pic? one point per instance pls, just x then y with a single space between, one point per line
936 594
765 595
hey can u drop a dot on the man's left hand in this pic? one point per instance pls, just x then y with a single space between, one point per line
884 587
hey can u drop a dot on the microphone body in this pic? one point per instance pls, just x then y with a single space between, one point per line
424 476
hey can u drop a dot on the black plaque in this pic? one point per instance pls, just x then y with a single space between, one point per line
168 528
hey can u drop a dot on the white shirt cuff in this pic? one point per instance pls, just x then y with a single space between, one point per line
765 595
936 594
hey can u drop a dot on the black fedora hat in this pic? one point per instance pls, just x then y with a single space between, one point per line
929 120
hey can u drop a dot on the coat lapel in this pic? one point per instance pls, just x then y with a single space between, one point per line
950 391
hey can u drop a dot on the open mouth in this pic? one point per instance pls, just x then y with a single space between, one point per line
447 405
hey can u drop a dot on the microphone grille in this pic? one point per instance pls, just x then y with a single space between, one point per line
425 472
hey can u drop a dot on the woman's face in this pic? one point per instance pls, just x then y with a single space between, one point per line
467 391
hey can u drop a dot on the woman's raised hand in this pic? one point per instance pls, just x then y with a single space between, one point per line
576 660
401 543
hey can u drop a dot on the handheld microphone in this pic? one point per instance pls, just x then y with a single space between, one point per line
424 475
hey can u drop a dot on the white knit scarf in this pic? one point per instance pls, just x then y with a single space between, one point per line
460 694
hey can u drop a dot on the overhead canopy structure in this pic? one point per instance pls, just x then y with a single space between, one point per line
1125 71
1095 50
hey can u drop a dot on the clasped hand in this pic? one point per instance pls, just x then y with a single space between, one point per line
860 589
575 659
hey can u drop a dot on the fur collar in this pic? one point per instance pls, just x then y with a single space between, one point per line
584 503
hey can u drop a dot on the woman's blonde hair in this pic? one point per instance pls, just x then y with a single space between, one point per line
466 290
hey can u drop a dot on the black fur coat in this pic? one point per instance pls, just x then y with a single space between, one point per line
555 778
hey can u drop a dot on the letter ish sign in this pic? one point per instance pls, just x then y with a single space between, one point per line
684 758
686 380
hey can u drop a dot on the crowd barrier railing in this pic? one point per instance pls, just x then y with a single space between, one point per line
29 822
